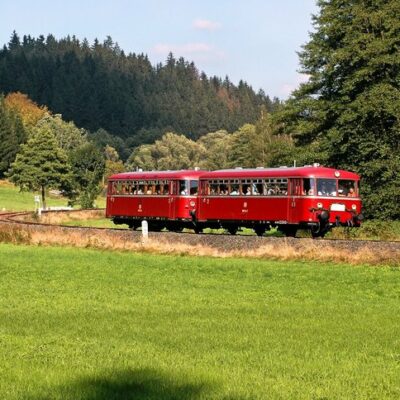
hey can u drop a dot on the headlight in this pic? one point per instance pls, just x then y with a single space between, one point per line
353 207
319 205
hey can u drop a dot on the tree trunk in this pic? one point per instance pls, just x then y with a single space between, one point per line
43 198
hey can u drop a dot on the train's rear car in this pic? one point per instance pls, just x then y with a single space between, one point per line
166 199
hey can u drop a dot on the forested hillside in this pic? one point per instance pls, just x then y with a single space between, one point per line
99 86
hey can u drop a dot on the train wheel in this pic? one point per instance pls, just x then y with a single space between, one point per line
259 230
232 230
318 232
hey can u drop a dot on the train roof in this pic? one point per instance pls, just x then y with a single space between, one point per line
313 171
159 175
284 172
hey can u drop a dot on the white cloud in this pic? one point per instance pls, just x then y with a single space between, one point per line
206 24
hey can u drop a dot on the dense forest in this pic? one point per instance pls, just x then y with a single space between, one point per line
98 86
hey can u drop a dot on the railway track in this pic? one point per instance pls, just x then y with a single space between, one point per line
223 242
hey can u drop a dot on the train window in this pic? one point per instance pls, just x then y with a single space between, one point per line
140 187
214 188
223 189
194 187
246 188
296 187
234 188
110 187
308 187
326 187
183 187
276 187
165 189
347 188
258 187
149 187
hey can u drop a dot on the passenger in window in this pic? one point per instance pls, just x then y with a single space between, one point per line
351 193
323 191
234 192
248 191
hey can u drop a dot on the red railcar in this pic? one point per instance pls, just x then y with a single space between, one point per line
311 197
166 199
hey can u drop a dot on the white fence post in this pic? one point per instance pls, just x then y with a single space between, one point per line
145 231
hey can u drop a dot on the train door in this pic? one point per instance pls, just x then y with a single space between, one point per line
294 198
172 199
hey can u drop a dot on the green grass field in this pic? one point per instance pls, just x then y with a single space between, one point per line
11 199
87 324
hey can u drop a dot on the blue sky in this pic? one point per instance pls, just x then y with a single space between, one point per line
253 40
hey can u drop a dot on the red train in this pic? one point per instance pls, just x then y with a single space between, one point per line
310 197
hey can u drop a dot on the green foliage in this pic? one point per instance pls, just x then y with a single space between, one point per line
40 164
172 151
143 326
68 136
101 87
350 107
88 167
218 146
12 134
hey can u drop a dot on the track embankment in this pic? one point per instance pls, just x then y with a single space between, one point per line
22 228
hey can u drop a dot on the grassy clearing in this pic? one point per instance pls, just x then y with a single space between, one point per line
87 324
11 199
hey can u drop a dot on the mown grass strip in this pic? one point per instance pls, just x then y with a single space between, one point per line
87 324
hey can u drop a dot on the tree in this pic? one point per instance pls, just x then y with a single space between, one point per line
41 164
88 166
12 134
68 136
218 148
172 151
350 106
113 165
28 110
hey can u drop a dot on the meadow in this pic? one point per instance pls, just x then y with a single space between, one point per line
91 324
12 199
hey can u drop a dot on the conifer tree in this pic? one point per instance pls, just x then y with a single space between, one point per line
40 164
350 106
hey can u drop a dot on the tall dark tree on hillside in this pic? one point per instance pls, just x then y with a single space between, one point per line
101 87
12 135
350 106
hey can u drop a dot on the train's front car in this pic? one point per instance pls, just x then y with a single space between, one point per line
333 199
